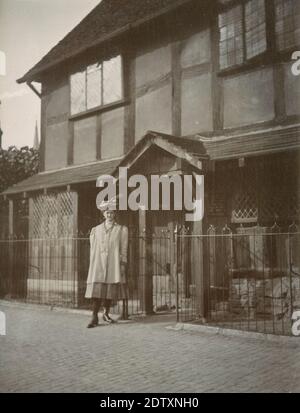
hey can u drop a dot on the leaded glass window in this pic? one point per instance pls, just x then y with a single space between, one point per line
255 22
242 31
287 23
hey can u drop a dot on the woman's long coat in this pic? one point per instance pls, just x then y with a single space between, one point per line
108 248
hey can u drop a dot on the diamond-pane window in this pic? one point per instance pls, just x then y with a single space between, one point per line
245 208
52 216
245 202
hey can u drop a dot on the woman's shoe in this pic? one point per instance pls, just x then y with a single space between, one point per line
107 319
93 323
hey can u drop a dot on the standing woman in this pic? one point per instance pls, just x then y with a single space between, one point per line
106 280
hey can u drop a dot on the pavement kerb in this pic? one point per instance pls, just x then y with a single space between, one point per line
42 307
197 328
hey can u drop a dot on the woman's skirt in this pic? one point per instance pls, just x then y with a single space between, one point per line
115 292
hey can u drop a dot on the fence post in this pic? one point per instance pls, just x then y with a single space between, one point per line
176 271
125 310
75 248
292 230
145 247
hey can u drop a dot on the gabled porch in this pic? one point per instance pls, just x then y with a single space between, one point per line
231 268
49 217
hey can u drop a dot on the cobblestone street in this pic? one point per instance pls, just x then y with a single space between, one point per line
49 351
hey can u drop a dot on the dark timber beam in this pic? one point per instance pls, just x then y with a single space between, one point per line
29 84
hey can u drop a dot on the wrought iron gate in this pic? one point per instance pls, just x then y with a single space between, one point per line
251 278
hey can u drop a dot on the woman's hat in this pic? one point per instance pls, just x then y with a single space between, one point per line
108 205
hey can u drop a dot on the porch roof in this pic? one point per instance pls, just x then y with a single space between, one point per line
187 149
63 177
194 150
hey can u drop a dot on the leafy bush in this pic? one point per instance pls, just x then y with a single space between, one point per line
17 165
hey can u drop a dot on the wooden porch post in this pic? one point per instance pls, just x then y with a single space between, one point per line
145 265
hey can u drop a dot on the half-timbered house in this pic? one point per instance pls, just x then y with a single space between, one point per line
168 87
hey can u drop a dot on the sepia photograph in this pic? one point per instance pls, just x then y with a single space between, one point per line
149 199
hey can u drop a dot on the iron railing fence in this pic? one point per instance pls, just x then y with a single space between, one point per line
53 271
242 278
251 277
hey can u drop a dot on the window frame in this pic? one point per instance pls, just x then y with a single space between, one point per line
287 50
103 107
271 55
222 8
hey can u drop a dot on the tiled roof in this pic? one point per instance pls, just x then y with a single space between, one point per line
260 142
108 19
193 149
63 177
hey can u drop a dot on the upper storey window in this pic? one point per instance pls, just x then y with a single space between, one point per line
287 23
255 28
231 37
246 32
97 85
242 33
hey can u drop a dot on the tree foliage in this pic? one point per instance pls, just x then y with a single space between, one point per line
17 165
